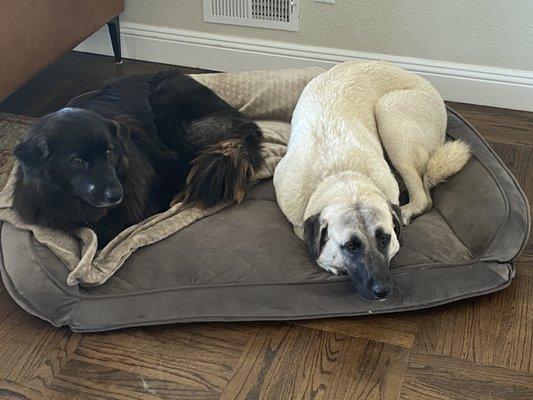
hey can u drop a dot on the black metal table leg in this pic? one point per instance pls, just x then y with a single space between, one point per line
114 34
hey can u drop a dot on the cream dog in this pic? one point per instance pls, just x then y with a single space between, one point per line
335 185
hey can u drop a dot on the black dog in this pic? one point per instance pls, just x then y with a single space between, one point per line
121 154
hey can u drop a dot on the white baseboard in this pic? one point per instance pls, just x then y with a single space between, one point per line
498 87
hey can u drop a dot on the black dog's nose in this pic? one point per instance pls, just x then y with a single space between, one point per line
113 195
381 290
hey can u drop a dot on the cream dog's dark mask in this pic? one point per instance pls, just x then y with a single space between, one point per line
359 240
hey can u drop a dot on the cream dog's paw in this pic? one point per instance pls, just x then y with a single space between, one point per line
407 214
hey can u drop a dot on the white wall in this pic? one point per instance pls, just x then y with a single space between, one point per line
473 51
496 33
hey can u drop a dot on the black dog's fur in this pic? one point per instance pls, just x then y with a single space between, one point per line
140 140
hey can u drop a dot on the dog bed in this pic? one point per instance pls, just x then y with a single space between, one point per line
244 262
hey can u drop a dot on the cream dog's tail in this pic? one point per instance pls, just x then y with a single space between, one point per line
446 161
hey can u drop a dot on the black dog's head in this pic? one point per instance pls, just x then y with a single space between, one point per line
79 152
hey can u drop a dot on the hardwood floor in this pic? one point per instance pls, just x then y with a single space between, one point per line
74 74
480 348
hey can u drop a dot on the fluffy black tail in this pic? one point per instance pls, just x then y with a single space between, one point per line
223 171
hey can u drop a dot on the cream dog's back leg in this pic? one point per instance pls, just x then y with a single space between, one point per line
411 125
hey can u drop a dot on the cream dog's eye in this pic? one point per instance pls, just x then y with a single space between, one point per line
382 238
352 245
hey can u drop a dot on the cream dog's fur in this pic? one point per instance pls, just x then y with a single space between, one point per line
335 185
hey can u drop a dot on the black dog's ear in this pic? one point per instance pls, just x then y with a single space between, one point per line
32 151
120 128
397 219
315 232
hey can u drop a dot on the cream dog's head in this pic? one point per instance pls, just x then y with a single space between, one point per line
358 239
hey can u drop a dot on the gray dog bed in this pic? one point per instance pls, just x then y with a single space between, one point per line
245 263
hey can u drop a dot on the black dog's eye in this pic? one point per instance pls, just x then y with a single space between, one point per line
108 153
77 161
382 238
353 245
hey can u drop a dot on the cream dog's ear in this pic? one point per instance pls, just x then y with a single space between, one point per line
315 234
397 219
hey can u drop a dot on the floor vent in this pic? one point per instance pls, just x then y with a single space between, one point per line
270 14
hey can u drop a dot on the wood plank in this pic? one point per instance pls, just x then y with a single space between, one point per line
193 361
51 367
444 378
524 264
284 362
76 379
493 330
396 329
369 370
25 341
10 390
64 376
198 356
292 362
498 124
